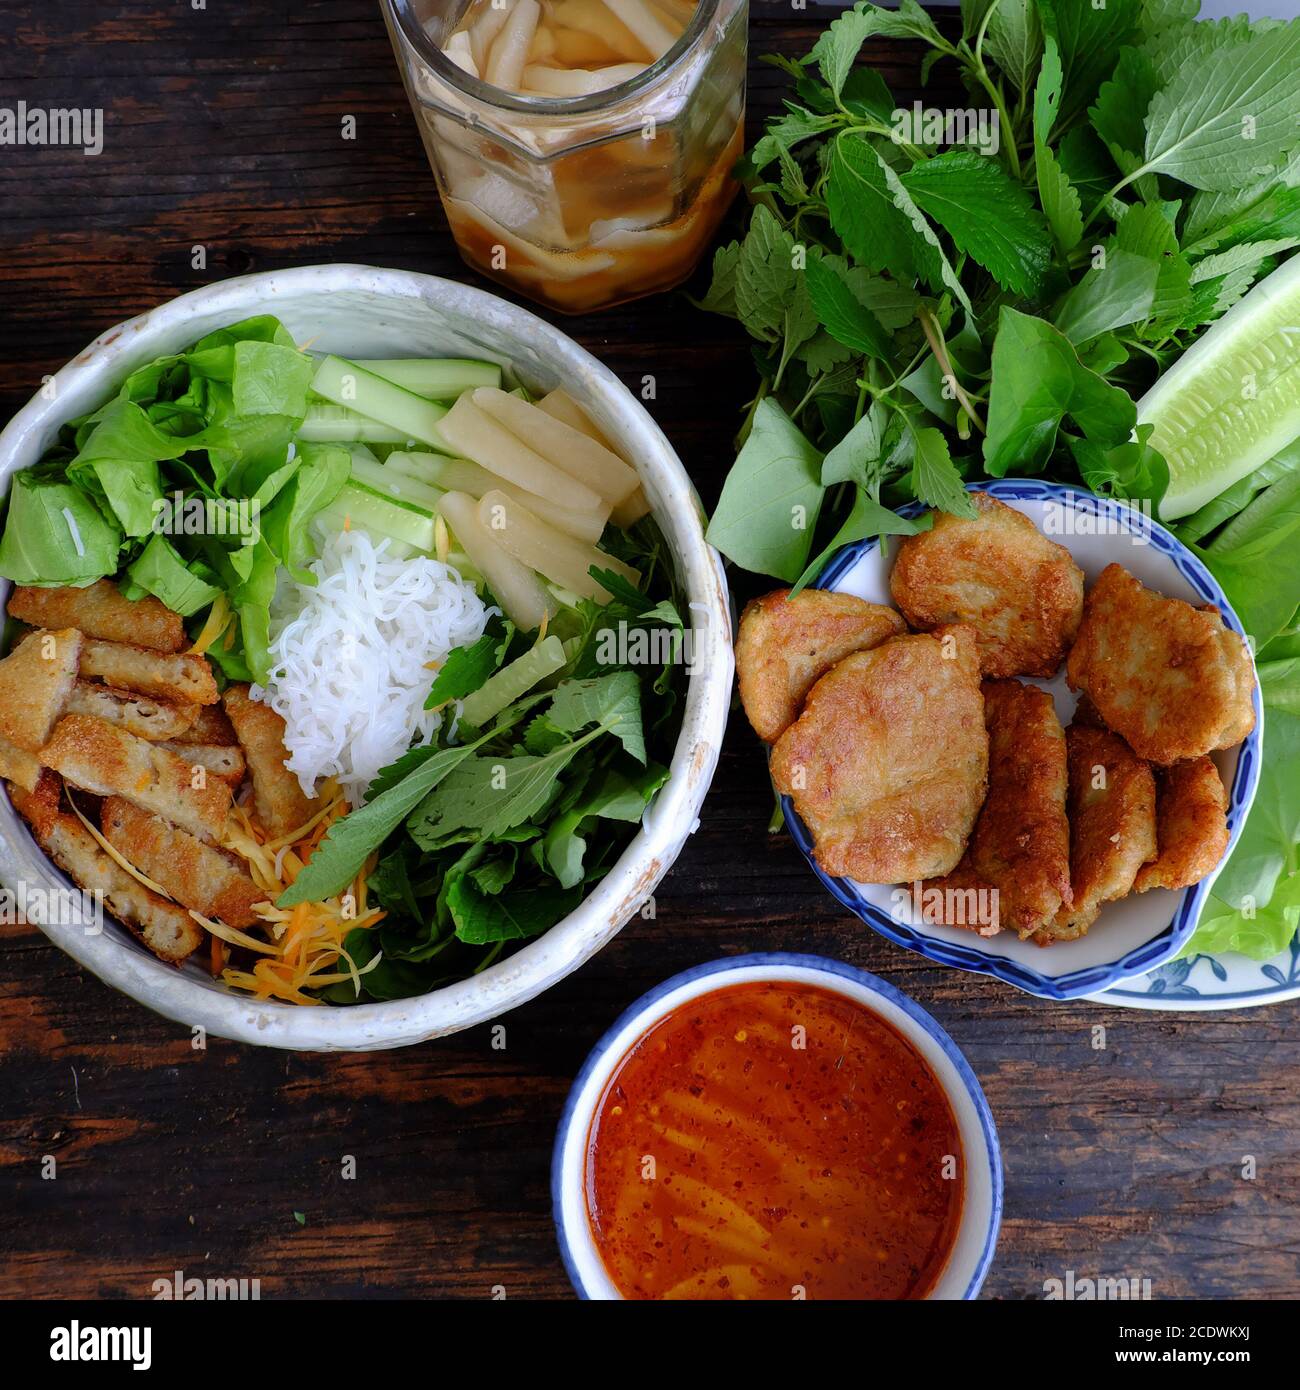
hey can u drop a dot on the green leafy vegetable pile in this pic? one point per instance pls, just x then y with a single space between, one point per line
942 295
492 839
117 493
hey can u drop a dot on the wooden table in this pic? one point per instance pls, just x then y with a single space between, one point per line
222 132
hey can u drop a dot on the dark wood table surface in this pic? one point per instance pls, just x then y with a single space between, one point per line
222 130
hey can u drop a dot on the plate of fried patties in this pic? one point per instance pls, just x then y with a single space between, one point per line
1034 727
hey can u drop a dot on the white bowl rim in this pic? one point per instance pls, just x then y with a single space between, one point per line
1165 943
130 968
569 1207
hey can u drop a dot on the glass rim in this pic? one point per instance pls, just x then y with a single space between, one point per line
414 35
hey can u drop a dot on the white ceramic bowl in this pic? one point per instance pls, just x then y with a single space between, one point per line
361 311
981 1216
1139 932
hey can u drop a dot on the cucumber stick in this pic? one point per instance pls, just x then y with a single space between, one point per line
388 482
434 378
378 516
327 423
512 681
1232 400
347 384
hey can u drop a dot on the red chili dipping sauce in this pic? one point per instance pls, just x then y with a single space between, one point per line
774 1140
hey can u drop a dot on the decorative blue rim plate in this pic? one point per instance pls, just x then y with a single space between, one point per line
624 1032
1204 983
1156 951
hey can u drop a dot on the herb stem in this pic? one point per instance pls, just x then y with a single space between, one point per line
934 336
995 93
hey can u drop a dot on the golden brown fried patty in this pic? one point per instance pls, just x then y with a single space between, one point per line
36 679
166 677
99 610
1191 825
38 805
1112 811
1021 842
1168 678
155 720
105 760
887 765
165 927
219 759
195 874
19 766
210 726
277 796
1021 592
786 644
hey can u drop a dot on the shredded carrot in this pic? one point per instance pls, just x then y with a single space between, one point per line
302 949
218 621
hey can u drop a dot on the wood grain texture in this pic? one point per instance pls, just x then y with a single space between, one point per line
222 130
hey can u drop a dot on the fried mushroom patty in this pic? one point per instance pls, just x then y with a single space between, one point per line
1021 592
887 765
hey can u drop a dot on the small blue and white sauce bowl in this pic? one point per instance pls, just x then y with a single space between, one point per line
980 1171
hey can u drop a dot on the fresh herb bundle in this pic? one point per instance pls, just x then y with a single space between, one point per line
938 296
924 316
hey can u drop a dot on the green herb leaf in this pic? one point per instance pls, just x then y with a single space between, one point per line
857 457
518 916
987 214
350 841
1119 113
931 258
863 213
721 295
866 518
613 702
1121 291
1222 122
935 477
1130 471
489 795
1089 38
466 668
770 295
844 316
770 501
1038 381
1058 196
837 48
785 132
1015 41
160 571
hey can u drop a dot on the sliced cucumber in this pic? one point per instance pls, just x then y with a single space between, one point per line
424 468
388 482
346 384
512 681
327 423
361 507
434 378
1232 400
438 470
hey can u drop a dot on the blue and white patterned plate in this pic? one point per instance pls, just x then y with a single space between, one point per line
1205 983
1142 933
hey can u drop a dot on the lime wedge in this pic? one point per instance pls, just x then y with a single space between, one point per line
1233 399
